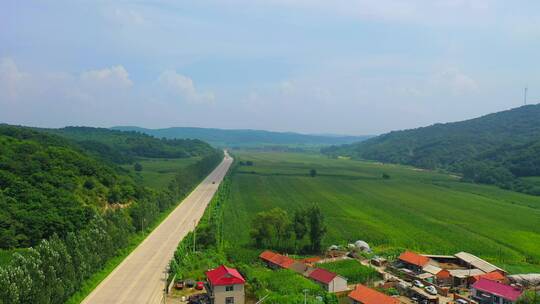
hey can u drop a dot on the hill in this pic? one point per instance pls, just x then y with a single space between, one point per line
500 148
51 184
123 147
247 138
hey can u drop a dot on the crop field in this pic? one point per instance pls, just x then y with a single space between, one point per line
420 210
158 172
352 270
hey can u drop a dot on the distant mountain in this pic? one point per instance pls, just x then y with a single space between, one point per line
246 138
498 148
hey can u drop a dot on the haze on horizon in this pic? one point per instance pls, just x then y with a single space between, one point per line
344 67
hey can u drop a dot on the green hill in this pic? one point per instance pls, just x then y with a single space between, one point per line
246 138
123 147
499 148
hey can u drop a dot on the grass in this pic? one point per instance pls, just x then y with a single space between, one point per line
421 210
158 172
352 270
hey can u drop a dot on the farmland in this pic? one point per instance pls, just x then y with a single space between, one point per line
420 210
158 172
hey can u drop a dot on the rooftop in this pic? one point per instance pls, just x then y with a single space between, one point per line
224 275
414 258
499 289
322 275
367 295
477 262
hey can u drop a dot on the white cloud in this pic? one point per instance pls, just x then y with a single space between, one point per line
183 87
124 16
113 77
454 80
11 78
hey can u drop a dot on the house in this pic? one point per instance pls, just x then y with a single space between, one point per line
275 260
413 261
472 261
493 276
225 285
364 295
491 292
328 280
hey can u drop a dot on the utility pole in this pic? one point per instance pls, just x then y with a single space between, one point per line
194 234
305 295
525 96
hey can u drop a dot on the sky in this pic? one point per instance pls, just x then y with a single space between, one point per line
312 66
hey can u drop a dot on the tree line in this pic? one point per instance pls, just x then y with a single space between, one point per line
276 229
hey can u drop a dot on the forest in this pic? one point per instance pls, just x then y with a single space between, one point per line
72 210
499 148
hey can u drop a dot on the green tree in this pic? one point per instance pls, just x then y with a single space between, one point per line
300 225
137 167
312 172
317 227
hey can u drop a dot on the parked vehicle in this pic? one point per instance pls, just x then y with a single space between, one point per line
461 301
190 283
179 285
199 286
418 284
431 290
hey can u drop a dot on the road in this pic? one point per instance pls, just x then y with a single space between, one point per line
140 278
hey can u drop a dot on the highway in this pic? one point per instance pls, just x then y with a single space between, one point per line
140 278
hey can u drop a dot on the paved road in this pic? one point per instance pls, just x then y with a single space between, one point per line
140 278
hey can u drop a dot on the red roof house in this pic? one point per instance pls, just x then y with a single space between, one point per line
492 276
364 295
225 285
224 275
328 280
276 260
485 289
414 258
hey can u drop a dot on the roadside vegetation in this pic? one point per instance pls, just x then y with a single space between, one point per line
416 209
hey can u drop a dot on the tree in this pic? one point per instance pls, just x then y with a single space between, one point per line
312 172
271 228
137 167
385 176
300 225
317 227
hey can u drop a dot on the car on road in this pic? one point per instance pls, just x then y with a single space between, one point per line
418 284
199 286
431 290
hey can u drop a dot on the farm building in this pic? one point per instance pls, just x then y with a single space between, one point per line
413 261
493 276
491 292
225 285
365 295
472 261
275 260
328 280
460 269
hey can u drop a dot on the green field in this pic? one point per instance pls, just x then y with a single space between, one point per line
158 172
420 210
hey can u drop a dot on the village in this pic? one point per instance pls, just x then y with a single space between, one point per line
411 277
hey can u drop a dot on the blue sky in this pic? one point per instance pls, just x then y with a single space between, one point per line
347 67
